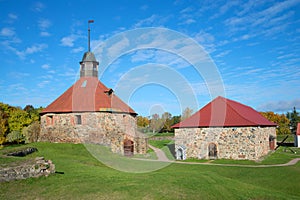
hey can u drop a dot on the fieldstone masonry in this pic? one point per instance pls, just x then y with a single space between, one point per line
231 142
109 129
32 168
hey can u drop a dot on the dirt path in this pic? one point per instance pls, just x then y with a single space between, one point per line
161 156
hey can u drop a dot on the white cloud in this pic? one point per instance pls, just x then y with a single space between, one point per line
204 37
153 20
142 56
18 75
30 50
45 34
45 66
44 24
76 50
225 8
118 47
35 48
280 106
7 32
38 7
68 41
222 53
12 16
43 83
146 22
189 21
265 22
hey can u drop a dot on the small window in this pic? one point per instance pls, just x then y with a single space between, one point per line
95 67
78 119
49 120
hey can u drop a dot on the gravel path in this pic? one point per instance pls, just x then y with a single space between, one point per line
161 156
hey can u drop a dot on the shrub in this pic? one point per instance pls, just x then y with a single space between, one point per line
32 132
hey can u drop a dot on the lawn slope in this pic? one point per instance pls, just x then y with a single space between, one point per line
86 178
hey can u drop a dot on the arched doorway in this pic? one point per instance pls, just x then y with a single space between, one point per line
128 147
180 153
212 151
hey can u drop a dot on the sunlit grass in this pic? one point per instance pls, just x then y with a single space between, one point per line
85 177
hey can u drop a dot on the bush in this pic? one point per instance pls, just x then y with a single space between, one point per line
32 132
15 136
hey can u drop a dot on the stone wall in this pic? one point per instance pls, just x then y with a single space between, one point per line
109 129
231 142
38 167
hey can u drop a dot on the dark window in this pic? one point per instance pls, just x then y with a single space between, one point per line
78 119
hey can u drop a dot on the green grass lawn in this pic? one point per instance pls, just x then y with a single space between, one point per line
163 145
290 139
87 178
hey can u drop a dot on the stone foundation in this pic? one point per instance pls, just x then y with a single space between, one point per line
109 129
38 167
237 143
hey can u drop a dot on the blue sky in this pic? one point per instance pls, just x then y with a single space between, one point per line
254 45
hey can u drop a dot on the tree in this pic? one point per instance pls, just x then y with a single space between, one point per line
186 113
175 119
3 126
34 113
294 119
166 119
142 121
156 123
18 119
281 120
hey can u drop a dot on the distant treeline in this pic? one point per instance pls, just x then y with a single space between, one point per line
287 123
19 125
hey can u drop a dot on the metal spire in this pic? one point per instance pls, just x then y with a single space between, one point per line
89 30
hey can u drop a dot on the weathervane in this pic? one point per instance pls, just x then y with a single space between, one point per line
89 30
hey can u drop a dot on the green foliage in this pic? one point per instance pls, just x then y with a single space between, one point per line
294 119
15 136
14 119
142 121
32 132
18 119
159 143
3 125
34 113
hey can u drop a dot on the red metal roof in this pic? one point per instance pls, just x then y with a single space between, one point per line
222 112
298 129
88 94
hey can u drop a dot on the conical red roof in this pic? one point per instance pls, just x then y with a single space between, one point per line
222 112
88 94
